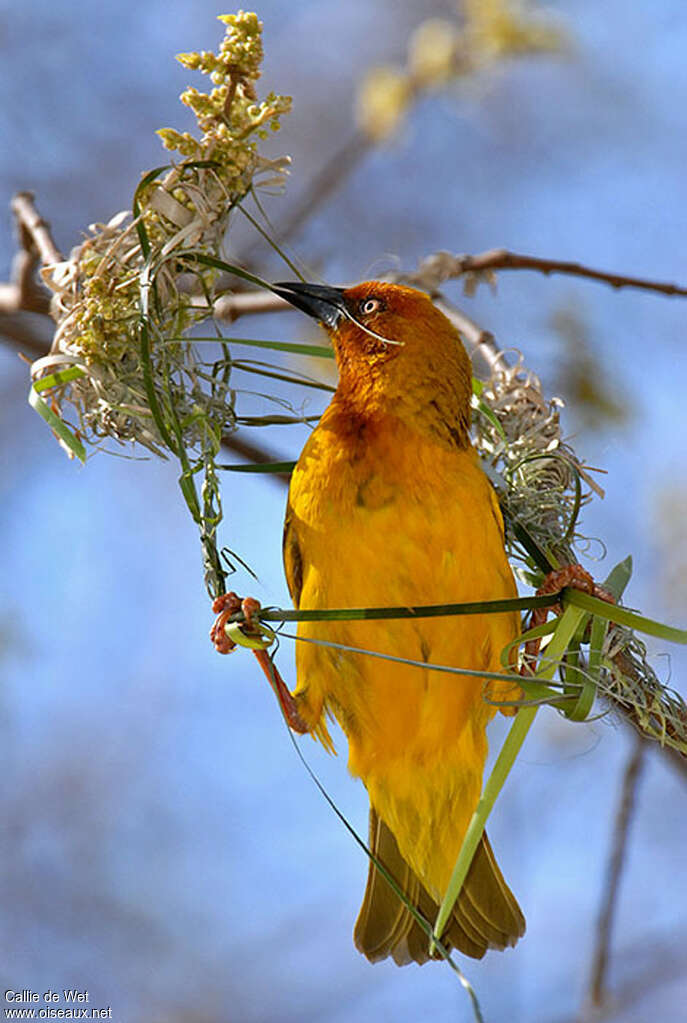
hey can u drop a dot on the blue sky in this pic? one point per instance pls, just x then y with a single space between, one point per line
165 848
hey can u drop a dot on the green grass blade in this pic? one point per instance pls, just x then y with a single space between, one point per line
58 377
55 423
621 615
390 880
567 626
393 884
350 614
279 467
537 690
219 264
587 690
615 583
146 180
544 560
619 577
545 629
447 669
491 416
318 351
148 382
276 420
259 370
478 389
271 242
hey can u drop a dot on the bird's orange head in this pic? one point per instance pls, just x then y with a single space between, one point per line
395 350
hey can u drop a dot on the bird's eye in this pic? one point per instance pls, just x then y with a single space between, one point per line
369 306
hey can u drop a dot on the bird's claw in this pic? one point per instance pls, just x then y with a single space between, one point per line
568 575
225 607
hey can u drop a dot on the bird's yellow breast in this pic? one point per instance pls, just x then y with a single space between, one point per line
382 516
385 517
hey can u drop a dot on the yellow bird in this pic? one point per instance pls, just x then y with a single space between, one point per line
388 506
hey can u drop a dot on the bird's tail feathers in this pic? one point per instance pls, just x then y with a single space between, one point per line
485 916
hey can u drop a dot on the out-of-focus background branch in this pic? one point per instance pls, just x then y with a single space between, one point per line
156 815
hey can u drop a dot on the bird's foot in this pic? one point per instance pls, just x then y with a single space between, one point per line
568 575
225 607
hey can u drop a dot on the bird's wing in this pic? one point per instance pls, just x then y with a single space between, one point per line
293 559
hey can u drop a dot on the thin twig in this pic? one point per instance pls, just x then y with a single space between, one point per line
321 186
616 862
444 266
330 176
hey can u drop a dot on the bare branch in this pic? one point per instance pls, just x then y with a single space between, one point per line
36 246
653 960
29 219
444 266
626 806
481 342
17 330
243 303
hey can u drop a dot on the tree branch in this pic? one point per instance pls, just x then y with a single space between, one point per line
444 266
653 960
36 246
616 863
481 343
244 303
38 230
17 331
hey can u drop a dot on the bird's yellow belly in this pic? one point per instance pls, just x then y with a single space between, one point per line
416 736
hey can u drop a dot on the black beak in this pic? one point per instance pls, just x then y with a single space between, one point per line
317 300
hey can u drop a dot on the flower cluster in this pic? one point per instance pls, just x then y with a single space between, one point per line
230 118
126 296
441 51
